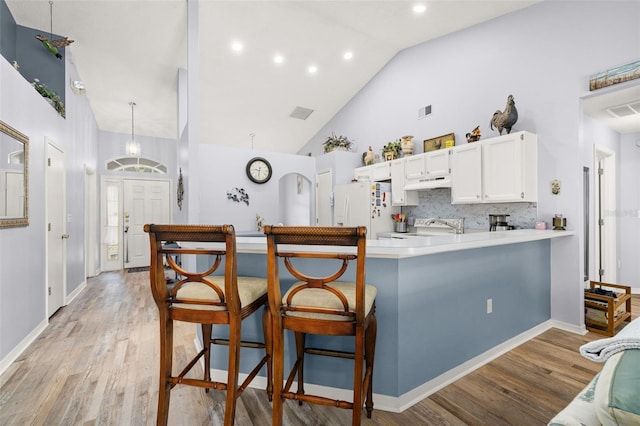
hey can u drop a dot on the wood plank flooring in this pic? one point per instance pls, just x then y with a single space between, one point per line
96 364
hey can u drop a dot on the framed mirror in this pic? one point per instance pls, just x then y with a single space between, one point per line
14 177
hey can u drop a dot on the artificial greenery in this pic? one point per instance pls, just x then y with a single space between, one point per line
394 146
51 95
334 142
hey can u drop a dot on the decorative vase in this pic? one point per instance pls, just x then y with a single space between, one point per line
407 145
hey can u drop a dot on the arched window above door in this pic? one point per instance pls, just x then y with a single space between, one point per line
136 165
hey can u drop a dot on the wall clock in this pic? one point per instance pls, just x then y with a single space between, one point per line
259 170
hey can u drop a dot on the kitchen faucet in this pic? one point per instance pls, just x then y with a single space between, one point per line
456 224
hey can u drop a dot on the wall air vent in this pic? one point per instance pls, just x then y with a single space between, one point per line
424 111
301 113
624 110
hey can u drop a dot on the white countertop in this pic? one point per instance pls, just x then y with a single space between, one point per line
420 246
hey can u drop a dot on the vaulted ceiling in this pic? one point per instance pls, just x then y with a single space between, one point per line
131 51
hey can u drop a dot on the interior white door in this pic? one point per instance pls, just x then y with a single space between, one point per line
56 228
324 206
145 201
605 199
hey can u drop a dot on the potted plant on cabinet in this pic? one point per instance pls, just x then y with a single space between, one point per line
339 143
391 150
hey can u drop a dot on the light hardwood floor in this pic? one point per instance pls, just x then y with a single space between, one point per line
96 364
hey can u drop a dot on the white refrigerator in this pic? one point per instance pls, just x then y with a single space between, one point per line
364 203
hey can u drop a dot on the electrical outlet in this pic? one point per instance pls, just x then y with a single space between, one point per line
489 306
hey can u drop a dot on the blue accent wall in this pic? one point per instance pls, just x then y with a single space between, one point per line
443 318
18 43
7 33
431 310
37 62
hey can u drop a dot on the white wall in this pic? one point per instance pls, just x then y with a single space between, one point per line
543 55
22 250
222 169
629 211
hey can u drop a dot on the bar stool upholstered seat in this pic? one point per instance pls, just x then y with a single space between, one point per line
206 299
321 305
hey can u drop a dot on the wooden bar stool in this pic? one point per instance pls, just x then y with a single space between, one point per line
200 297
321 305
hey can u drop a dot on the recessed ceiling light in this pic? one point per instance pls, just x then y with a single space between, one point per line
348 55
419 8
278 59
237 46
312 69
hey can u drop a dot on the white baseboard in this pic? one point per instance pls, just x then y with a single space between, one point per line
407 400
24 344
31 337
75 293
432 386
571 328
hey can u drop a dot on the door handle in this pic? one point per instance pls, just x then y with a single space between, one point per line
65 236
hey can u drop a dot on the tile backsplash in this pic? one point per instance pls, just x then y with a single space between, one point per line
437 203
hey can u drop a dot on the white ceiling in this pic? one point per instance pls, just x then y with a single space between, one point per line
617 106
131 51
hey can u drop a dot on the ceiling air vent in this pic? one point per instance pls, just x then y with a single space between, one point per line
624 110
301 113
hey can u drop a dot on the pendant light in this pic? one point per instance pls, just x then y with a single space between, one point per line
132 148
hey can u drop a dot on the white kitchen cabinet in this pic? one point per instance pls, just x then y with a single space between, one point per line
428 165
380 171
362 173
466 174
414 167
510 168
375 172
498 170
400 197
436 163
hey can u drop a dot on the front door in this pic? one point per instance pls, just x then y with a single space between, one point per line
56 226
145 201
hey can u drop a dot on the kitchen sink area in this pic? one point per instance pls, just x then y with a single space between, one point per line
430 227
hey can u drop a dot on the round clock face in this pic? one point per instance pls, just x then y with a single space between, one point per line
259 170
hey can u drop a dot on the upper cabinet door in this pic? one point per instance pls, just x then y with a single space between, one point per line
375 172
400 197
509 166
380 171
437 163
362 173
414 167
466 174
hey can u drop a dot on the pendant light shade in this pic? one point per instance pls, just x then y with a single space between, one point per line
132 148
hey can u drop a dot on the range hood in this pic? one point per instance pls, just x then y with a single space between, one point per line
437 182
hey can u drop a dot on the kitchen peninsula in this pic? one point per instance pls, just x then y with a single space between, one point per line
445 305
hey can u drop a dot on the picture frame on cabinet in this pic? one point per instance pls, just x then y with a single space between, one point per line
440 142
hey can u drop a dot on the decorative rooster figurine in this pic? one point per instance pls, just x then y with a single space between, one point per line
53 45
505 120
